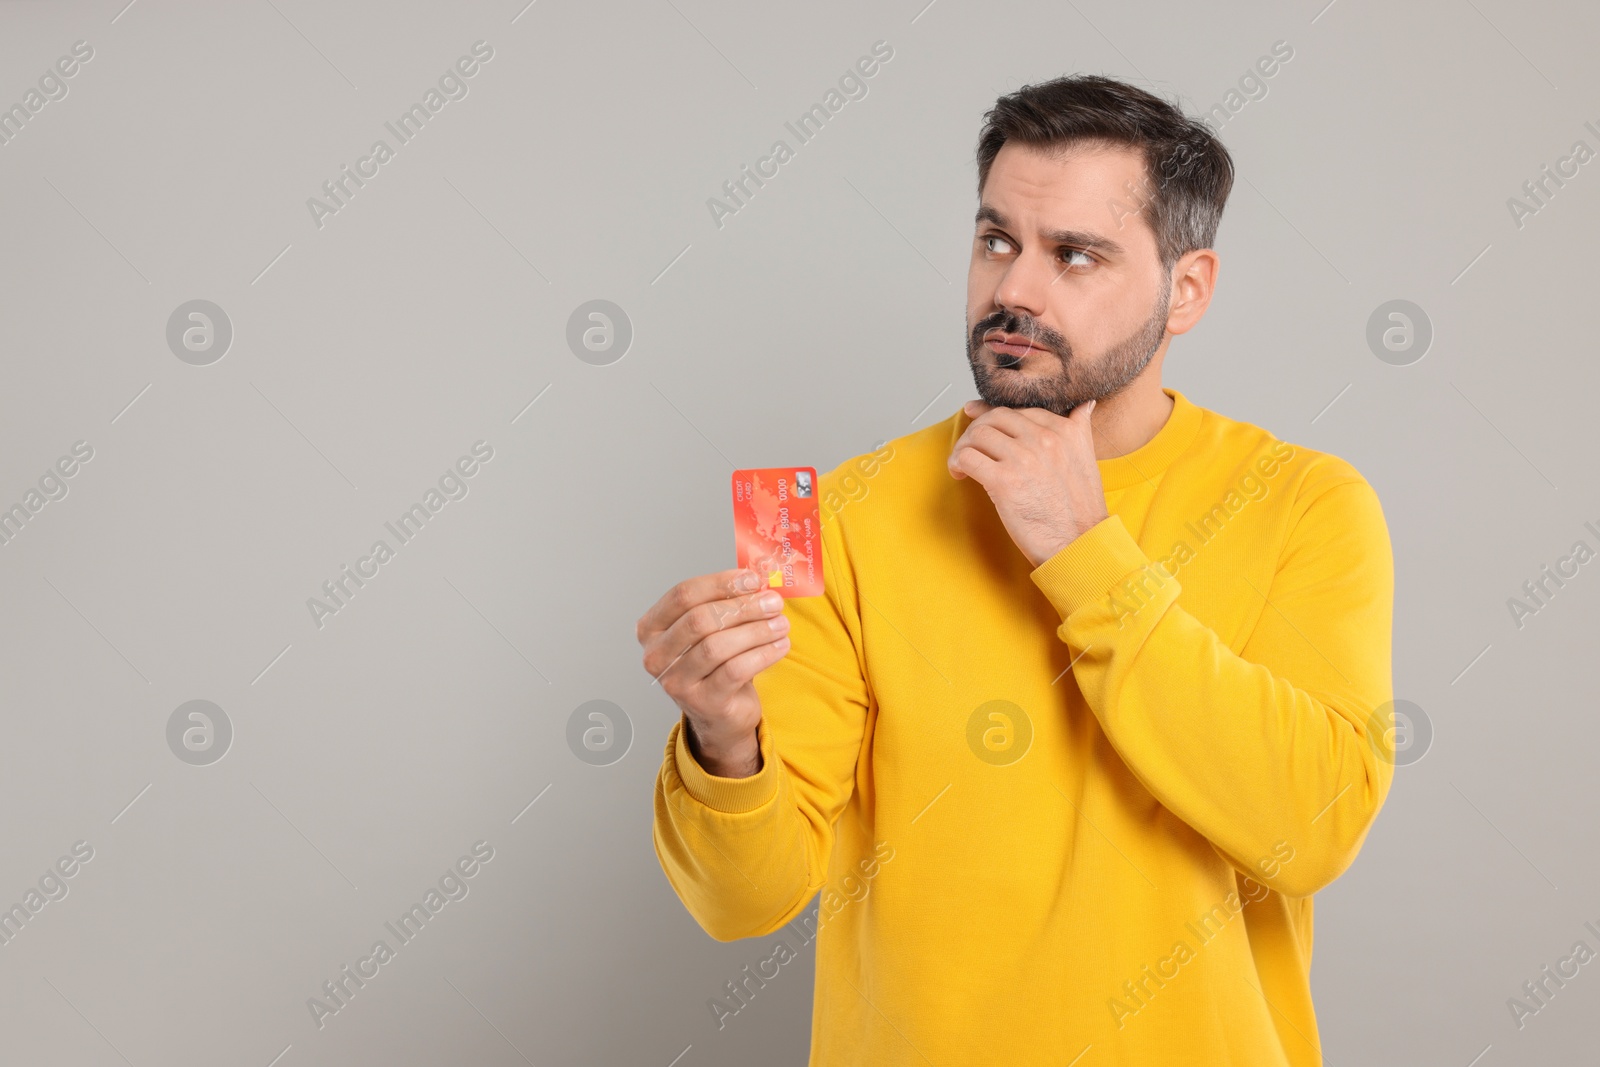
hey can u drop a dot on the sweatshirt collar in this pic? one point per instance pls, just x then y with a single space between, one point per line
1155 455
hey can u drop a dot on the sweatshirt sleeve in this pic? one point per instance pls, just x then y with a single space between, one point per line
746 854
1287 741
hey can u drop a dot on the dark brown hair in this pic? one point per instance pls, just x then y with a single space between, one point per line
1188 173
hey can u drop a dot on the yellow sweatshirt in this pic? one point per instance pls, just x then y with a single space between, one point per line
1072 814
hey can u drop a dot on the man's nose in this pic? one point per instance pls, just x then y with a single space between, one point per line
1023 287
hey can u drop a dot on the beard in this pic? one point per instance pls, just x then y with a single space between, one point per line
1003 382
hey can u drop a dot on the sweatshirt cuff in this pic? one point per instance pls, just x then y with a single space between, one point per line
734 796
1087 568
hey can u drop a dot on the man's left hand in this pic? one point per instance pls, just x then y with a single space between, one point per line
1038 468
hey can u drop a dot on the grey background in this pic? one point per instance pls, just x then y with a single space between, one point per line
370 353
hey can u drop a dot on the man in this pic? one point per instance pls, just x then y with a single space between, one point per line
1099 692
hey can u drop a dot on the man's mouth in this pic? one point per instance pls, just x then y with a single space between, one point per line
1011 345
1010 355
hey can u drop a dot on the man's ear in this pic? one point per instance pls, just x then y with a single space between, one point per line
1194 279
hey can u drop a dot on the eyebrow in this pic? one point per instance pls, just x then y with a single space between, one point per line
1076 238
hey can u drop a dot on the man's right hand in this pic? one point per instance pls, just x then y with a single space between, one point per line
704 641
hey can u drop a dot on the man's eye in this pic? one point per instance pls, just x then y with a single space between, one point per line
990 241
1087 259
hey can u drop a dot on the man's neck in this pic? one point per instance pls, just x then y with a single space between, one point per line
1130 420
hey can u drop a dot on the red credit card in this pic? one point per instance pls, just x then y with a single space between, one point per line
776 527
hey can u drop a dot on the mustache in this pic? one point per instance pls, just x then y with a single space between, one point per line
1010 322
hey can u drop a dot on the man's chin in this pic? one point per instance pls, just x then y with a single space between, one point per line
1000 399
1059 408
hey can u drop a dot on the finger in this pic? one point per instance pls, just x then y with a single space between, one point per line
737 671
691 593
950 462
1013 422
990 440
677 644
668 648
971 463
988 430
718 687
969 439
1079 418
712 651
1042 417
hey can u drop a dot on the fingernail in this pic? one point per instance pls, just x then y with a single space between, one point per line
781 644
771 602
748 580
779 623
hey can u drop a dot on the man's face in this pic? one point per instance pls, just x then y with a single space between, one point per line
1052 264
